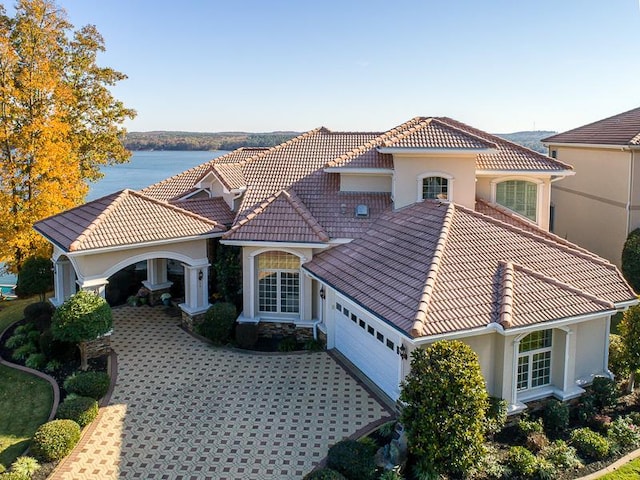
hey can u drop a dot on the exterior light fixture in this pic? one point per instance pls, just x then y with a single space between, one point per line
403 352
323 294
200 275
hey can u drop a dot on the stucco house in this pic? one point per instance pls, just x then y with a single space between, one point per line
600 205
379 243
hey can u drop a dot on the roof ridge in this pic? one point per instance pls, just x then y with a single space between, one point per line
299 206
472 133
171 206
505 317
530 224
567 246
259 208
421 123
498 140
99 219
425 298
372 143
564 286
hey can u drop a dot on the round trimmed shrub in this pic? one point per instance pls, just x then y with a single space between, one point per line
25 467
82 410
88 384
218 322
34 310
324 474
55 440
353 459
590 444
522 462
556 417
84 316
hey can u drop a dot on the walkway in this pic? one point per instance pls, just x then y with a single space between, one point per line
182 409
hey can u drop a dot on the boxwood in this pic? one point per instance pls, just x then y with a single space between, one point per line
55 440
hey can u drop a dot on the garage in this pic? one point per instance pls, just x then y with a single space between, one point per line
371 347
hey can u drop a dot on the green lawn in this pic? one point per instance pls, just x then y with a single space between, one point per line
25 400
630 471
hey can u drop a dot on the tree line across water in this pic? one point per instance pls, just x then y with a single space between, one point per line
203 141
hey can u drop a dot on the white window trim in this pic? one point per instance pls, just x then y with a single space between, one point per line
530 354
424 175
539 194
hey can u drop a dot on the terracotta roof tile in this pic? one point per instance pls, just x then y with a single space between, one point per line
123 218
215 209
433 268
280 218
433 133
621 129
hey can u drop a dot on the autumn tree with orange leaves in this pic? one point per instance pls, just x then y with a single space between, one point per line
58 121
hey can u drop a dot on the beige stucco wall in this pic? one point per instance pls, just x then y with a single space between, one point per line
407 170
249 284
486 191
592 342
365 183
95 265
591 206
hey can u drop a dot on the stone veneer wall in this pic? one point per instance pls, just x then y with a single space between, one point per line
190 321
276 330
98 347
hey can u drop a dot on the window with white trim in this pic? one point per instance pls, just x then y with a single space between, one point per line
534 360
435 188
520 196
278 282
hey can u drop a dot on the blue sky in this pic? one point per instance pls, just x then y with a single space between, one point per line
264 65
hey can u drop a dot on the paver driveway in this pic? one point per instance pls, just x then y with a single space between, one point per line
184 409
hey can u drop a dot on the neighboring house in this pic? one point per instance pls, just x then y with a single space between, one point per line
599 206
378 242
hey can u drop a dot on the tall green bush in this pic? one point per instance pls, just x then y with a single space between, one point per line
35 277
631 259
218 322
446 404
618 356
630 332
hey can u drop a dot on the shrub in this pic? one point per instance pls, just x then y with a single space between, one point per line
446 401
36 361
353 459
246 335
522 462
34 337
35 277
635 418
545 470
391 475
496 415
586 408
82 410
218 323
526 426
629 329
313 345
288 344
34 310
14 476
623 434
556 417
600 422
55 440
25 466
21 353
562 456
16 340
536 441
88 384
631 259
605 393
590 444
52 366
24 329
324 474
618 356
84 316
490 466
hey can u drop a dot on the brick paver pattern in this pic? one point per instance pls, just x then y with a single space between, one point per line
183 409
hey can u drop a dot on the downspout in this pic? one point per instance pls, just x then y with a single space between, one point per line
630 192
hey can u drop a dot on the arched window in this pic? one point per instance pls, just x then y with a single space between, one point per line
435 188
520 196
278 282
534 360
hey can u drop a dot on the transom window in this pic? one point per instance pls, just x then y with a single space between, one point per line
435 188
278 282
520 196
534 360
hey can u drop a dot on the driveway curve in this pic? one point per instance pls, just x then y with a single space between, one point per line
182 409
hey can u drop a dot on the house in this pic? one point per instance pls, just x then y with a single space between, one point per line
379 243
600 205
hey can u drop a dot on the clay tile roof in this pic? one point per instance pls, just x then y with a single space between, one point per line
230 175
433 133
280 218
123 218
433 268
215 209
621 129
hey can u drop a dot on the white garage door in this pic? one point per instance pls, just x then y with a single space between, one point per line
368 348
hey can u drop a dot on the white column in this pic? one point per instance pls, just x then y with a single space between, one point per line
95 285
157 275
514 373
196 286
64 281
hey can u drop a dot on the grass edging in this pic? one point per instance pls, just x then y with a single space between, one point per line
613 467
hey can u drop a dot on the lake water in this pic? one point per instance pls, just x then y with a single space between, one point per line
143 169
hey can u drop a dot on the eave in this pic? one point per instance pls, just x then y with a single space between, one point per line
405 151
537 173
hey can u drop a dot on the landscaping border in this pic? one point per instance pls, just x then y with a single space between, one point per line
613 467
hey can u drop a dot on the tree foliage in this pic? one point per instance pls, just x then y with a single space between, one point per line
631 259
58 121
630 332
446 406
35 277
85 316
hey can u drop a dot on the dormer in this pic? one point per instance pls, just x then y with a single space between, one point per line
433 160
227 183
